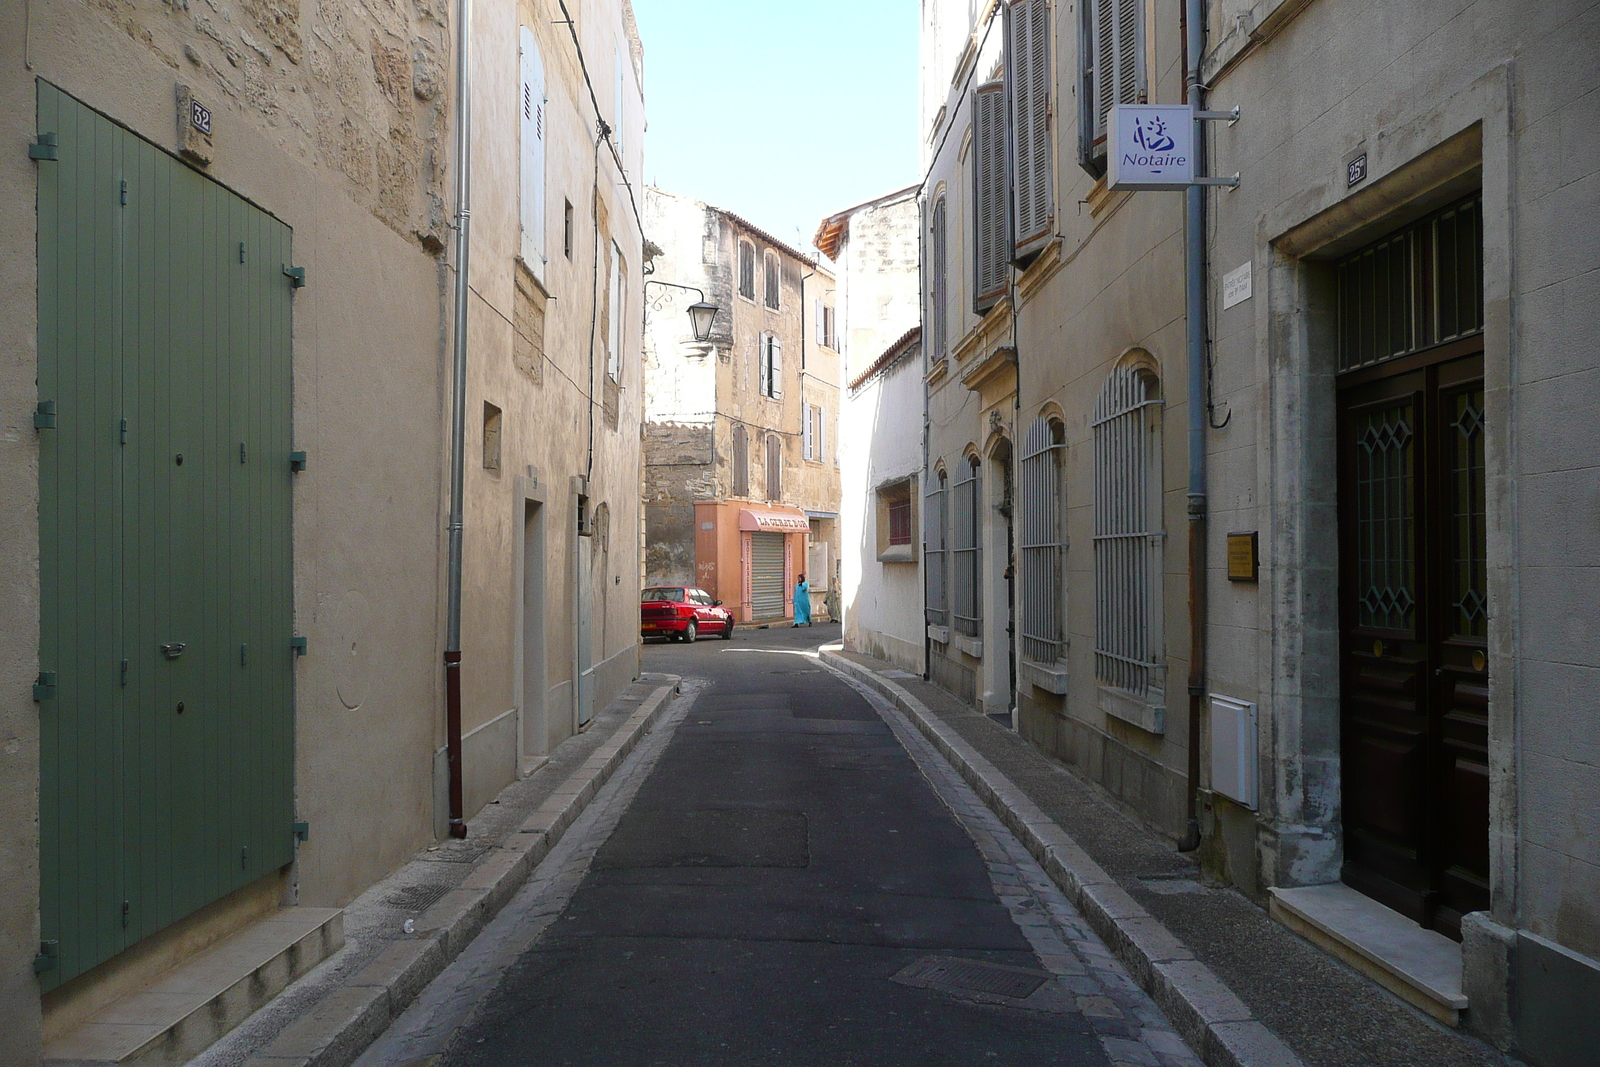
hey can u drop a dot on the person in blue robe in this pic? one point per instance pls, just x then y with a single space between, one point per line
802 602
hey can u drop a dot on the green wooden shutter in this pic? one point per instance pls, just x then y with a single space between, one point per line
164 331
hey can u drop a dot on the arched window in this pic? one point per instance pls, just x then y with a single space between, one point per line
935 531
747 270
1127 533
741 460
772 281
774 467
966 541
1043 597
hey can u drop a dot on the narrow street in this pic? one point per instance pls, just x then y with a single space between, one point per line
785 873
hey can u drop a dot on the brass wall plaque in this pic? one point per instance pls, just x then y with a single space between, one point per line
1244 561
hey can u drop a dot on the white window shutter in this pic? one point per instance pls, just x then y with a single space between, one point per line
992 214
822 435
805 433
777 369
531 117
619 116
1028 81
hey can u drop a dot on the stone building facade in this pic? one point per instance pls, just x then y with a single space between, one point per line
1379 722
273 182
741 430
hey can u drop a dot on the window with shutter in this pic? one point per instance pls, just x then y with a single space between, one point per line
618 297
966 550
1042 594
939 292
741 461
991 246
531 122
772 281
1128 541
829 328
1111 53
1028 81
822 435
776 385
934 534
619 114
747 270
774 467
805 432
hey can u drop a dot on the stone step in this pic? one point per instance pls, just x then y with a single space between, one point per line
190 1007
1420 966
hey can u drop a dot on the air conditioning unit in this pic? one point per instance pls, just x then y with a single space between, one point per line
1233 749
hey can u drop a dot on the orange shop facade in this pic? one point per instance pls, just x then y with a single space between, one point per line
746 554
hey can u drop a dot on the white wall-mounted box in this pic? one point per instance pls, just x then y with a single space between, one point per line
1233 749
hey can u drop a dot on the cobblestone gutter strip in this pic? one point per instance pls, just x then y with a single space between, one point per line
351 1016
1214 1022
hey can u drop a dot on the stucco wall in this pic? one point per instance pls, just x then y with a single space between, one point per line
331 124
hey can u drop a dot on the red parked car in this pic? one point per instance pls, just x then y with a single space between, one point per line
681 612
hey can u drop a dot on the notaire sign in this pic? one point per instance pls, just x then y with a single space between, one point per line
1149 146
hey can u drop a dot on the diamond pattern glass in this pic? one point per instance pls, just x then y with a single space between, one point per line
1385 519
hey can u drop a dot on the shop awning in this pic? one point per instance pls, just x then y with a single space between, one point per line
782 519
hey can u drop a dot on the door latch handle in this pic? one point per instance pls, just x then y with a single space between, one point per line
174 650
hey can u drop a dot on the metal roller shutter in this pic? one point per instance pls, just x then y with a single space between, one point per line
766 575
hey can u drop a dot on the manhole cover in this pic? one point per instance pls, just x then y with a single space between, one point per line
417 898
960 977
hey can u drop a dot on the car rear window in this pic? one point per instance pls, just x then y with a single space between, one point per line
674 595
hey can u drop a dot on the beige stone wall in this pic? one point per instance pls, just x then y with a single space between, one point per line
550 384
1111 284
334 117
330 120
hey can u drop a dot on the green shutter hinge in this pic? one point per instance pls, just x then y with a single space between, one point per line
46 959
298 643
44 416
44 147
296 276
45 688
301 831
298 462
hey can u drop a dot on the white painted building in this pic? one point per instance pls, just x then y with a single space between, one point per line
874 248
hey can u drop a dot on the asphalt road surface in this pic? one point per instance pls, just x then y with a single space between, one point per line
783 874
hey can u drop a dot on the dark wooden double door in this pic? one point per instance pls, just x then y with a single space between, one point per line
1414 624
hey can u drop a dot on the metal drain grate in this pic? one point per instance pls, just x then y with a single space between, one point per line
417 898
959 977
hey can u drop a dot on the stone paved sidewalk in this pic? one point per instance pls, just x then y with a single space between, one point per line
403 931
1326 1013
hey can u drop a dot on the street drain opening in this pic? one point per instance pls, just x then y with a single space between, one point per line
972 978
418 898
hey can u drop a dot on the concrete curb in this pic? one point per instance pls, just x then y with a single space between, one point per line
341 1026
1214 1022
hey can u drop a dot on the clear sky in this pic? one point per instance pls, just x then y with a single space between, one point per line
782 111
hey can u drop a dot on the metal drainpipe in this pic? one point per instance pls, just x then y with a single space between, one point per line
1194 314
458 411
